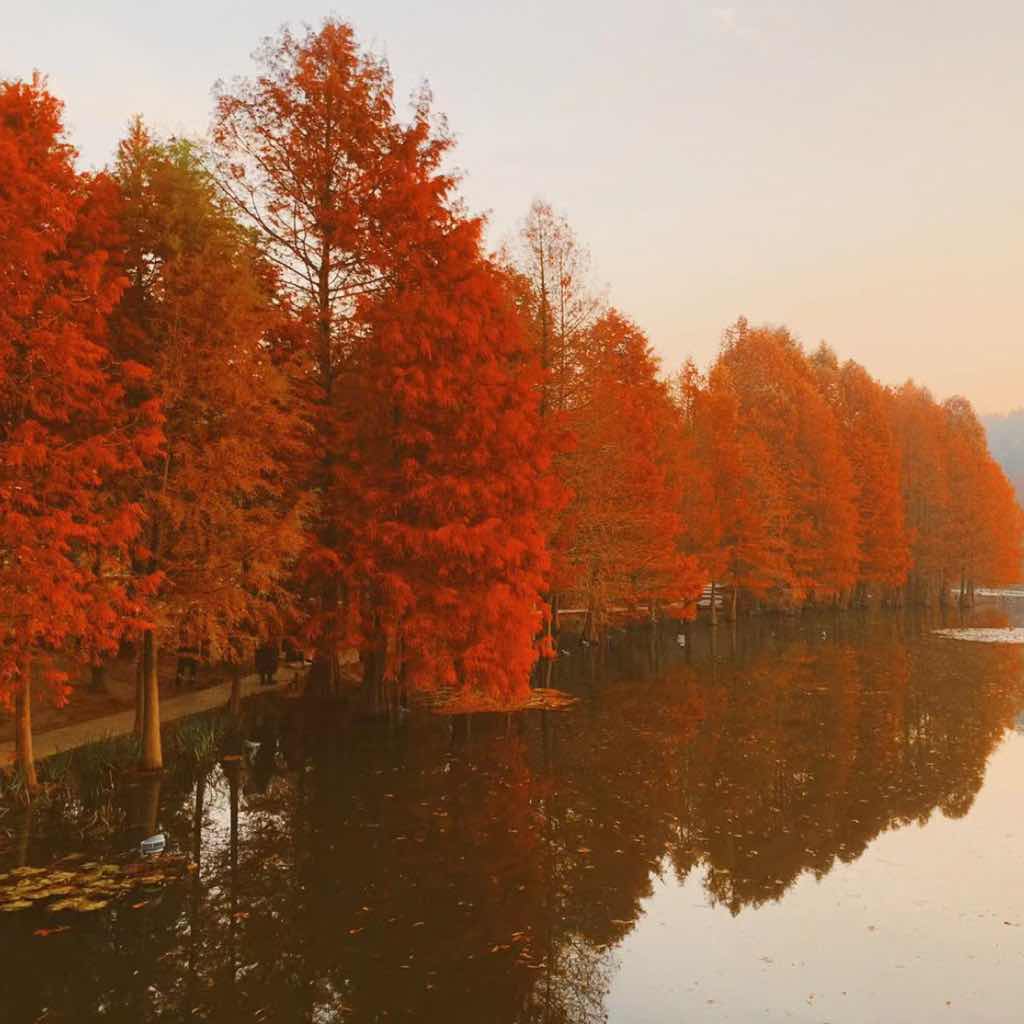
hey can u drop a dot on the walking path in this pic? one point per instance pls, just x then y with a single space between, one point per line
69 737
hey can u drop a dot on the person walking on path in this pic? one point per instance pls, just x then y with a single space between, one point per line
267 655
188 664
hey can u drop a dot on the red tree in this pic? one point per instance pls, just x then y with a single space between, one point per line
862 408
65 436
408 356
220 525
621 534
779 401
920 427
451 473
737 519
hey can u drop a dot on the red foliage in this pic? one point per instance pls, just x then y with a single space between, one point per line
299 373
65 433
620 535
780 403
449 476
862 408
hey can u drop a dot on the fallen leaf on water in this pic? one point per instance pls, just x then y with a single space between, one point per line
43 932
78 904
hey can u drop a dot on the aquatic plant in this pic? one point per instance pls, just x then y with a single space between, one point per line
196 742
75 884
98 766
14 787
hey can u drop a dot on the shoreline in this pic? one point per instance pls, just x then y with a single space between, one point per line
122 723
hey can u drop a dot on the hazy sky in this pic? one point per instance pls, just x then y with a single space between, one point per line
852 169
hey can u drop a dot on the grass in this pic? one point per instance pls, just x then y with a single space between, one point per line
196 743
96 768
90 775
13 788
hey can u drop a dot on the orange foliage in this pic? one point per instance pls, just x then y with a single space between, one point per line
220 527
421 455
619 538
288 384
448 473
862 408
804 462
65 438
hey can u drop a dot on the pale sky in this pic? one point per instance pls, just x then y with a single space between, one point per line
852 169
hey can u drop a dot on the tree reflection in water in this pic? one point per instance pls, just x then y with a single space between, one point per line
439 869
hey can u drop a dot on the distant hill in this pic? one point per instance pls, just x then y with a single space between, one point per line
1006 442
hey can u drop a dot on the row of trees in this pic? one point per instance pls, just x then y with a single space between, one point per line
274 383
826 486
779 478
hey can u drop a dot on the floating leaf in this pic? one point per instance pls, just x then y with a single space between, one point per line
79 904
15 905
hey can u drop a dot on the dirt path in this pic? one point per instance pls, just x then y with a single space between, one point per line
120 723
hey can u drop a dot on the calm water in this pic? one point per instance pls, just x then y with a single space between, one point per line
805 821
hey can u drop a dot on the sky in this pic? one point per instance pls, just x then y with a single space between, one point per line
854 170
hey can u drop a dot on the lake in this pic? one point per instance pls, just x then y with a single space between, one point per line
813 819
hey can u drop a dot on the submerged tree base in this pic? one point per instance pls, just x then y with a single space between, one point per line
468 703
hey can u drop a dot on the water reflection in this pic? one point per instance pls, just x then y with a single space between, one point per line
489 869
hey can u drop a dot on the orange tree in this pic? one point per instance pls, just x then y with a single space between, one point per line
403 332
200 312
66 432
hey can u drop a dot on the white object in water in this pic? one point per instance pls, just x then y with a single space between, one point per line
154 844
1010 635
681 639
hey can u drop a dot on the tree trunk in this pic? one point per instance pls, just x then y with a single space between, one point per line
324 673
375 670
714 604
23 729
732 610
195 897
24 837
140 696
152 754
145 806
98 678
235 701
234 773
553 623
